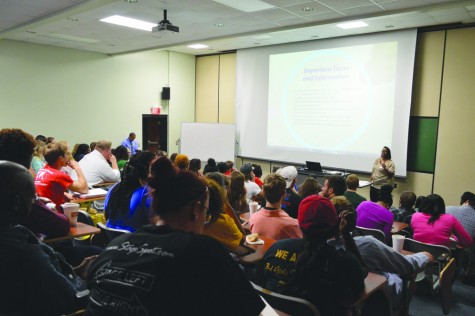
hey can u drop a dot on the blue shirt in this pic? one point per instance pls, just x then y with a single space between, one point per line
131 144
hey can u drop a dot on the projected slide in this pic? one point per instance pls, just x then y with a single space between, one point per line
336 101
332 99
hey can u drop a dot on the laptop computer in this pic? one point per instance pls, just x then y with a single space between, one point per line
313 166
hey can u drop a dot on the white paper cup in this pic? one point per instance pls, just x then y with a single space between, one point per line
253 207
71 210
398 242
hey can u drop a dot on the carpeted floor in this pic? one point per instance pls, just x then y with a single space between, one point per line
423 303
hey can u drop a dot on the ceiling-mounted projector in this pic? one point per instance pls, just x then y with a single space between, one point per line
165 25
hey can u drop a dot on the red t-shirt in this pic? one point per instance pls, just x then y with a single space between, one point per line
52 183
258 182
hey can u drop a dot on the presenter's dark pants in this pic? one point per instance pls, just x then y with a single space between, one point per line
374 194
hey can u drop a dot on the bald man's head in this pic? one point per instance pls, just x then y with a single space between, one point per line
17 193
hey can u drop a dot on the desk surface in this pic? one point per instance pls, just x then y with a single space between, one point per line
398 226
91 199
372 283
79 230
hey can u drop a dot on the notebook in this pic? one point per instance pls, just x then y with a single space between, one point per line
313 166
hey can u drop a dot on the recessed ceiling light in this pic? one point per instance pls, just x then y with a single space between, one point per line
197 46
246 5
219 25
72 38
352 25
389 26
32 32
314 36
72 19
129 22
256 43
131 1
307 9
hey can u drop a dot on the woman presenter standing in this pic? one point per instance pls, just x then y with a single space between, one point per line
383 173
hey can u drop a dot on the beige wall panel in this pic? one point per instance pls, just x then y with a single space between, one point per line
207 85
227 88
427 74
419 183
455 171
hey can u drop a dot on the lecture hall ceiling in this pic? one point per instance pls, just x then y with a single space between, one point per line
75 23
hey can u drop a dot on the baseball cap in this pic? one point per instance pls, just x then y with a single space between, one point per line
289 173
317 216
246 168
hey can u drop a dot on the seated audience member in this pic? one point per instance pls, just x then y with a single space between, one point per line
173 156
419 201
218 224
271 221
465 213
292 200
121 154
431 225
128 203
38 161
223 167
333 186
231 167
253 192
221 180
35 280
179 269
236 193
17 146
352 183
210 166
81 151
50 140
406 208
95 165
309 187
51 182
195 166
92 146
377 215
257 174
380 258
314 270
41 138
182 162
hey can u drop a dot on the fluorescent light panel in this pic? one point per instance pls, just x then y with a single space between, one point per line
246 5
129 22
72 38
352 25
197 46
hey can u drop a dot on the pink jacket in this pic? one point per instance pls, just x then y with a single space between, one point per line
440 231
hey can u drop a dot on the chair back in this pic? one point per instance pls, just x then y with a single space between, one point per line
111 233
376 233
85 218
440 253
447 277
287 304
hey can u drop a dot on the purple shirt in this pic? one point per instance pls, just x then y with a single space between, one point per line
373 215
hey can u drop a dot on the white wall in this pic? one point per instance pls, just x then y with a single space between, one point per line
82 96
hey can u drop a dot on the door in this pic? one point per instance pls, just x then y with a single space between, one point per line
155 132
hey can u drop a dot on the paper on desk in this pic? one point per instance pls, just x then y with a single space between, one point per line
97 192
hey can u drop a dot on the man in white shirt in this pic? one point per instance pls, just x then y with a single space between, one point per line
95 165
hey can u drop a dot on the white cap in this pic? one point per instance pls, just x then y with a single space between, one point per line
289 173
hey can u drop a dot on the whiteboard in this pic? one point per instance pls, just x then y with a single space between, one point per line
208 140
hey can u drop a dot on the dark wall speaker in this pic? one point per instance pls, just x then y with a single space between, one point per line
166 93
